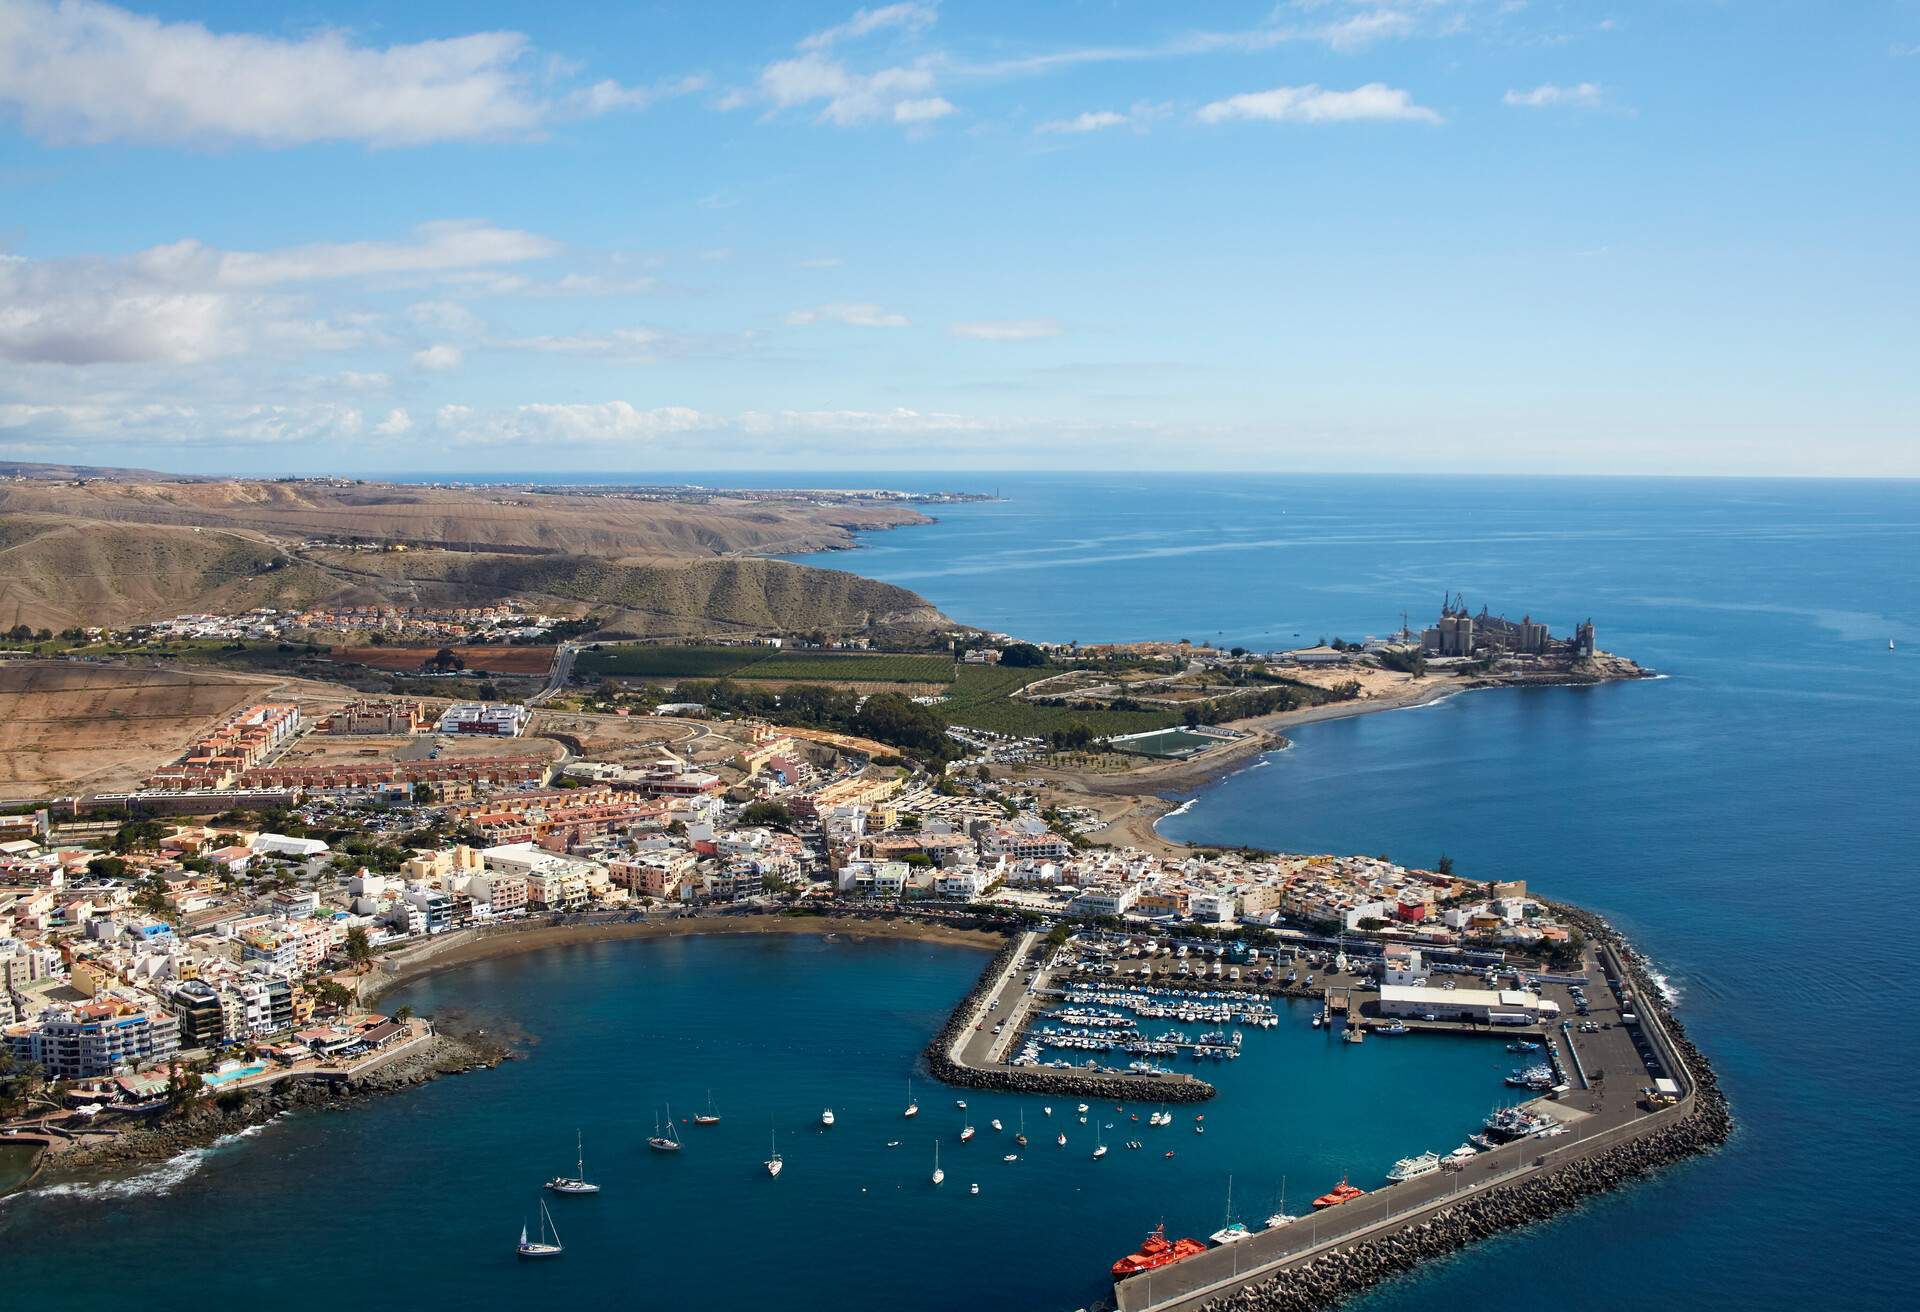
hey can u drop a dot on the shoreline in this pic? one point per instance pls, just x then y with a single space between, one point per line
465 947
1137 800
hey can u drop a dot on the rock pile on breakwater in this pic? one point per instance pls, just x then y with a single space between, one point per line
1084 1084
222 1114
1337 1275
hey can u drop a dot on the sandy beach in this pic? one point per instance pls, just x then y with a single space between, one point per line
465 946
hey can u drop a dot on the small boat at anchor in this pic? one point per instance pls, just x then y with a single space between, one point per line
826 1117
938 1174
913 1108
668 1142
548 1245
577 1182
709 1116
774 1161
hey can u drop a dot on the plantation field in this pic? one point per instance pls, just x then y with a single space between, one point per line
656 662
982 698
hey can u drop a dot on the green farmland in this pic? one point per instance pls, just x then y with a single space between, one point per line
647 661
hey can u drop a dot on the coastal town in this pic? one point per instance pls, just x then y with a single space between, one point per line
219 934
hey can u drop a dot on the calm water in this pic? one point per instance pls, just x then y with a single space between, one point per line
432 1185
1744 817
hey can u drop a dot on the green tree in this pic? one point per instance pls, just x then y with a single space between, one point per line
359 948
1445 864
1022 655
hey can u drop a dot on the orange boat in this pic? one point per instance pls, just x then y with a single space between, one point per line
1156 1253
1340 1193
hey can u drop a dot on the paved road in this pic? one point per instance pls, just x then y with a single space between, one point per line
1594 1116
557 677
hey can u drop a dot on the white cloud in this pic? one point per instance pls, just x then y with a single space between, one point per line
88 72
1311 104
397 422
1583 95
438 358
860 314
1006 330
604 421
185 302
898 95
864 21
1142 113
640 345
1092 121
448 316
898 421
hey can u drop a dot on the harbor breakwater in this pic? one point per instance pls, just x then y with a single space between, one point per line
1334 1277
938 1057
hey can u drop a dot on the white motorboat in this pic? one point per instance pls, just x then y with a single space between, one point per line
973 1188
577 1182
548 1245
1412 1168
826 1117
997 1127
1062 1141
1011 1157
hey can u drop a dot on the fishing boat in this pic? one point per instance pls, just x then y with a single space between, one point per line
1412 1168
1155 1253
577 1182
1340 1193
938 1174
1099 1149
1523 1045
664 1143
774 1160
1396 1028
1230 1231
709 1116
548 1245
826 1117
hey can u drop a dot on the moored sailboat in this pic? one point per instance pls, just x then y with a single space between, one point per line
548 1245
577 1182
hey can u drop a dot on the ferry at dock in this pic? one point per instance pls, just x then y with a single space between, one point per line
1412 1168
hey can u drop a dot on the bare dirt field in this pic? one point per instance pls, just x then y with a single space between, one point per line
638 739
529 661
370 749
66 728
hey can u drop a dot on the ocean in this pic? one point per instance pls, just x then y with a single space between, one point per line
1750 818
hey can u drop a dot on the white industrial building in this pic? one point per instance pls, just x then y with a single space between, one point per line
1482 1006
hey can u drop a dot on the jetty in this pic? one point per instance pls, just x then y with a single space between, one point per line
1012 990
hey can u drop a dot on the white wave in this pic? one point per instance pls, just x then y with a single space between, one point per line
1181 809
1668 989
162 1179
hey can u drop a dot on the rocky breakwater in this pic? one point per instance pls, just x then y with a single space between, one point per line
217 1116
1119 1088
1333 1277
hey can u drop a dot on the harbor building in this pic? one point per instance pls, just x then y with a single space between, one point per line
1480 1006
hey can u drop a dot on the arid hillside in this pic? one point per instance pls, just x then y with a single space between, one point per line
57 573
607 526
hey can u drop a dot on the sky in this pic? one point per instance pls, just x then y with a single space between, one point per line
1486 236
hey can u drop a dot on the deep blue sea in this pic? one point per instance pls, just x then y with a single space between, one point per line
1752 818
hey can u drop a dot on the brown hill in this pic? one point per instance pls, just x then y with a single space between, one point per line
503 519
57 573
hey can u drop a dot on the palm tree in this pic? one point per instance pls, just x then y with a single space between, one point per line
359 949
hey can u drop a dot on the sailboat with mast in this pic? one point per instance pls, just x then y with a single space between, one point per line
774 1160
966 1127
1099 1149
1021 1137
1283 1216
1232 1232
709 1116
664 1143
913 1108
938 1174
548 1245
577 1182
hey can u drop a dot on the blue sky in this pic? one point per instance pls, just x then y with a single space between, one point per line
1332 235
